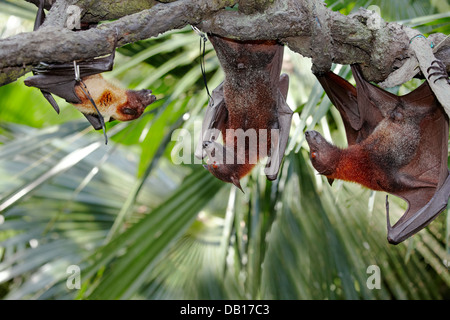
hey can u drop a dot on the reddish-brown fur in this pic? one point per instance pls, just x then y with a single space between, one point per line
355 164
373 163
397 144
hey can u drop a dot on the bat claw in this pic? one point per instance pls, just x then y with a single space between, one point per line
390 239
441 71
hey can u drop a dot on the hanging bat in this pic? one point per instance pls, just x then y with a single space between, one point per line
249 109
81 84
93 96
396 144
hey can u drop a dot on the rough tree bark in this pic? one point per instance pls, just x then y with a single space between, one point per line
305 26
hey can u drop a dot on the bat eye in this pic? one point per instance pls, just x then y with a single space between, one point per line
129 111
313 155
397 116
214 165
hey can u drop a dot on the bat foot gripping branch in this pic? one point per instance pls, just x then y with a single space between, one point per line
441 71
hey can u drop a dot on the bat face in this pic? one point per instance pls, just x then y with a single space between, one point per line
324 156
137 101
223 163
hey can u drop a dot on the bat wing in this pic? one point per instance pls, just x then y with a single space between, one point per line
278 145
359 114
407 227
59 79
214 121
343 96
427 173
40 16
374 103
284 114
62 85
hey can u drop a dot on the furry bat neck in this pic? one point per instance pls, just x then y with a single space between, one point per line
372 163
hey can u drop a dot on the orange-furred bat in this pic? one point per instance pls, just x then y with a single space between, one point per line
396 144
93 96
82 85
249 109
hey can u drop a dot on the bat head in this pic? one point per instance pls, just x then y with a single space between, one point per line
218 156
324 156
136 103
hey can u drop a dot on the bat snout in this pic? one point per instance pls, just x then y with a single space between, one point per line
140 99
313 137
146 97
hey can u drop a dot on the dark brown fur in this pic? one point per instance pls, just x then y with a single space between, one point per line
251 92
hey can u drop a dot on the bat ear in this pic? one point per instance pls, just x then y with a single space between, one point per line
236 182
330 181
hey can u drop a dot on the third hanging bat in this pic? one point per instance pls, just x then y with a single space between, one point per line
396 144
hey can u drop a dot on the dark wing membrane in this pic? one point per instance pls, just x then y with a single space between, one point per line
94 120
274 68
59 78
406 227
278 147
214 122
429 166
62 86
343 96
374 103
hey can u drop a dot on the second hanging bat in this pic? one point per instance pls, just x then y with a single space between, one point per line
249 109
396 144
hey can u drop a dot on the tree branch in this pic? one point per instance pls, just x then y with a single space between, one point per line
54 43
305 26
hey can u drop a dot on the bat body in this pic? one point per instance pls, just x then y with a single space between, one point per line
90 93
249 109
396 144
111 102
